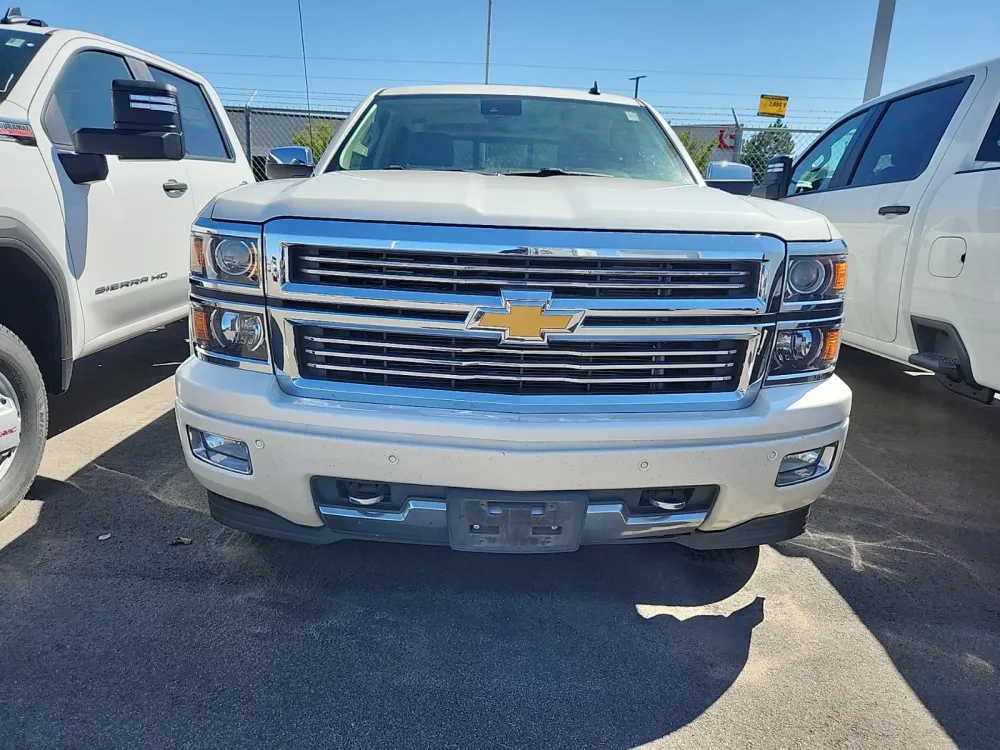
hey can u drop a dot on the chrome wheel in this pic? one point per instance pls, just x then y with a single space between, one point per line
8 395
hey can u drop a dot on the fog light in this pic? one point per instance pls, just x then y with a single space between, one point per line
223 452
805 465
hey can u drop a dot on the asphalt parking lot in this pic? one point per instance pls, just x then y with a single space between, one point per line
879 628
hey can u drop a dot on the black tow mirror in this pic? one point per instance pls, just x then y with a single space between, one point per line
777 178
147 118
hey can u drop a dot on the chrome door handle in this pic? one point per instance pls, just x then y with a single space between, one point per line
893 210
173 186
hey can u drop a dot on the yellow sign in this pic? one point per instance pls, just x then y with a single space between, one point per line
772 106
525 322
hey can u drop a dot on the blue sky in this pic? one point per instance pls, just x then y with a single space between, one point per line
702 56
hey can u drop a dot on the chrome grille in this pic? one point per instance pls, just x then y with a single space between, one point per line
475 273
478 364
376 312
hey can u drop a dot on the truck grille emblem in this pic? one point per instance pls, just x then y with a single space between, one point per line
524 318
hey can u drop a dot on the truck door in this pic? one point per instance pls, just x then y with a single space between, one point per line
211 161
813 176
874 206
127 234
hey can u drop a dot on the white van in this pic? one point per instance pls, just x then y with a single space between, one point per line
912 181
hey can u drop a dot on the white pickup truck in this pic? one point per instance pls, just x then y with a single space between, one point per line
912 179
517 320
107 153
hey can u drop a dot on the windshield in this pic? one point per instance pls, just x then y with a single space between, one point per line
16 51
506 134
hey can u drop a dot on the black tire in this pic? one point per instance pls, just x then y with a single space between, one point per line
20 377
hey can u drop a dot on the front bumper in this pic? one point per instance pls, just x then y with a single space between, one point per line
294 439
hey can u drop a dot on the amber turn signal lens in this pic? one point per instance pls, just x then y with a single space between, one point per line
831 345
199 325
839 276
198 255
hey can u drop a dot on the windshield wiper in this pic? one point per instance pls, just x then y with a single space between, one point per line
435 169
553 172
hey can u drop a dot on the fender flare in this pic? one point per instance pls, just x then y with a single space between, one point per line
15 236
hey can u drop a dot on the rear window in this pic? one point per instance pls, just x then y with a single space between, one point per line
16 50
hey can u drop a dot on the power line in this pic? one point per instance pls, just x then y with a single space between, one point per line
582 67
439 80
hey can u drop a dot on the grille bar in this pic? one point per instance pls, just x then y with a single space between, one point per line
479 281
520 378
529 365
533 352
485 268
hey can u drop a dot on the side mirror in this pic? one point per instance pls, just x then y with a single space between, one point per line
730 176
289 161
777 178
147 119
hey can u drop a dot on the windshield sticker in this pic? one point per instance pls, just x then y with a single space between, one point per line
15 42
633 116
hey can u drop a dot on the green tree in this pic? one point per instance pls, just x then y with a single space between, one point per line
699 150
773 141
316 136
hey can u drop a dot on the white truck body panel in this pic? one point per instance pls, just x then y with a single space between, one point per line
469 199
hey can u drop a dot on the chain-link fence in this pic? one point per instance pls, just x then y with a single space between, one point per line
760 144
260 129
752 146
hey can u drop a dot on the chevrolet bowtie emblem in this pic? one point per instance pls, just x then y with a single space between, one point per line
525 318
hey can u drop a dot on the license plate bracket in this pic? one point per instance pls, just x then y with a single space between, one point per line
521 523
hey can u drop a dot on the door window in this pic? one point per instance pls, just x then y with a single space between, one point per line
990 150
906 137
816 169
81 97
202 135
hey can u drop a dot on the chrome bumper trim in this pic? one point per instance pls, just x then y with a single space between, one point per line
426 522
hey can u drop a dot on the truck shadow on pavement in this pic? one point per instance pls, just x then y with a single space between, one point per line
102 380
237 640
909 534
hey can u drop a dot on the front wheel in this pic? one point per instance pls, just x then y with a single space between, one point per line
21 387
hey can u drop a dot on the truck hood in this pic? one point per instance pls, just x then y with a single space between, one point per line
560 202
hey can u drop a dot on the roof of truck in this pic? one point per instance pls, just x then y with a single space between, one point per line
943 78
467 89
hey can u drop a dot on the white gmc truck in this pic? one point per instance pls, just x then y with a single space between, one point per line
512 320
107 154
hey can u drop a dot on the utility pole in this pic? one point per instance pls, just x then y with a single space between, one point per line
880 47
637 79
489 36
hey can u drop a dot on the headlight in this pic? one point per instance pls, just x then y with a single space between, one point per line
220 257
227 333
816 278
808 352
